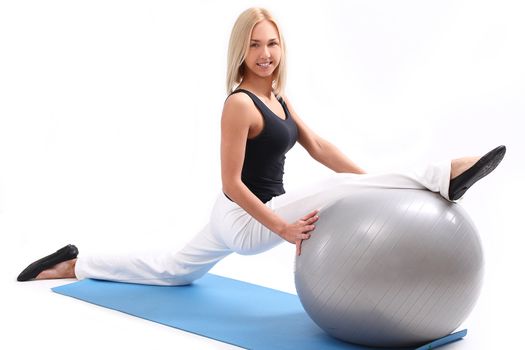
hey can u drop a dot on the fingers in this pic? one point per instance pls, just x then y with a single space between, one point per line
312 220
308 228
309 220
302 236
299 241
310 215
306 225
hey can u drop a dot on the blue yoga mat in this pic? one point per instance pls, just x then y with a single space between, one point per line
224 309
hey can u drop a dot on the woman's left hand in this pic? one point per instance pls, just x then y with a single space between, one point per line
309 219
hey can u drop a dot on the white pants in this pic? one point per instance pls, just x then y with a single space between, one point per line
231 229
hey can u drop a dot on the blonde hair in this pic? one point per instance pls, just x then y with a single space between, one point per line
239 45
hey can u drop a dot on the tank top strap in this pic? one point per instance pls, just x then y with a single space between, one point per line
254 98
285 107
260 104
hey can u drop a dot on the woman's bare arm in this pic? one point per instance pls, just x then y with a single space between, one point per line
322 150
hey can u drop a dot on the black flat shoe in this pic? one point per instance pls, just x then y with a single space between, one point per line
484 166
63 254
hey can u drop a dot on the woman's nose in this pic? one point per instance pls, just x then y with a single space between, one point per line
265 52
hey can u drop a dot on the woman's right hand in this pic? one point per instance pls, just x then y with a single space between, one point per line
300 230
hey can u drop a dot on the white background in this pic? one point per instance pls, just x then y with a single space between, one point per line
109 137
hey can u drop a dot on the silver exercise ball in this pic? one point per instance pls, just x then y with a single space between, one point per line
390 267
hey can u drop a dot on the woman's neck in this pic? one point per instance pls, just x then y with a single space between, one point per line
260 87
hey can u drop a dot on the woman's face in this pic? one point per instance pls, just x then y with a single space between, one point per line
264 53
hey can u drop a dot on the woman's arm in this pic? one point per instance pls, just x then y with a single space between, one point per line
237 118
322 150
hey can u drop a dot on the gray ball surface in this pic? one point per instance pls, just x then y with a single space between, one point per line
390 267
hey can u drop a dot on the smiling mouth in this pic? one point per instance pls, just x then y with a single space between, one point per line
264 65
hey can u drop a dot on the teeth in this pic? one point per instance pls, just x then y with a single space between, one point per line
263 64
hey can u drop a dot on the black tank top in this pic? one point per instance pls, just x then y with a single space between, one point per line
263 167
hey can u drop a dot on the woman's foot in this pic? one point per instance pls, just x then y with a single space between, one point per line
65 269
464 172
51 265
460 165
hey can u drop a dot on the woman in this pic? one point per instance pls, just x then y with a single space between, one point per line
254 214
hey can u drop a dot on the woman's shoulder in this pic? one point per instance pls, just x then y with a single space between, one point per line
239 104
237 100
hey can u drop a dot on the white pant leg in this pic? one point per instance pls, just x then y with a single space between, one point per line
231 229
171 268
240 231
299 202
245 235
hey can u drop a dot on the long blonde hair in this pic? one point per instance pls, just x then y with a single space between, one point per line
239 45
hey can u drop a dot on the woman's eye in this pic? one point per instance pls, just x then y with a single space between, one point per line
256 45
